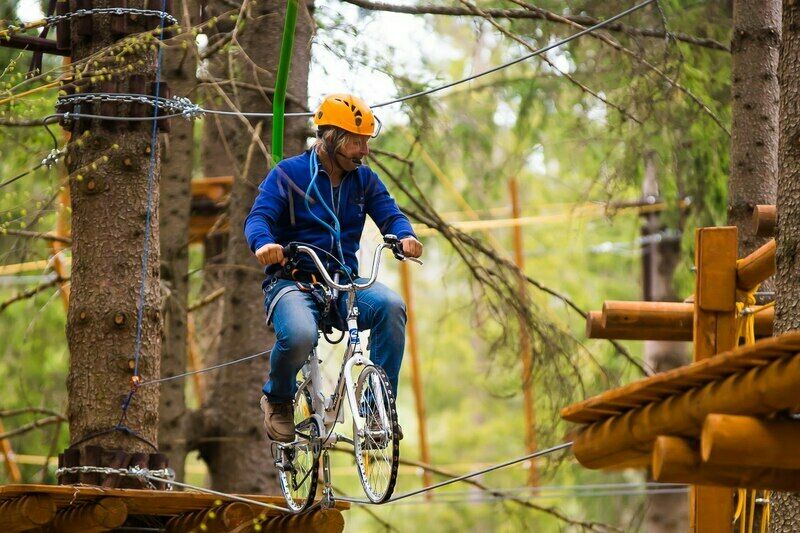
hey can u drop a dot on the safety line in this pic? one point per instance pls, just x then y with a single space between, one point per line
435 486
199 110
149 207
208 369
216 493
489 498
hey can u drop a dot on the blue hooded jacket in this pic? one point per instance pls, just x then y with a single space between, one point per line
279 213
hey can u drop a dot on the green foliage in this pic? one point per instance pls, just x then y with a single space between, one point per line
572 155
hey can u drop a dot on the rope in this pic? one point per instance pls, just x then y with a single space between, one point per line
746 311
193 110
217 493
207 369
429 488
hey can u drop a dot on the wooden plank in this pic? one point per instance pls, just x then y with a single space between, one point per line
138 501
715 259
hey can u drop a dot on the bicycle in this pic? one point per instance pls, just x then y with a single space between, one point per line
375 428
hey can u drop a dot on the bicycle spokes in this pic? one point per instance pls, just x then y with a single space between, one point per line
375 440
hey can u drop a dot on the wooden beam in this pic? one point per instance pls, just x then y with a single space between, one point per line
26 512
324 521
732 440
756 267
764 220
677 460
644 321
91 517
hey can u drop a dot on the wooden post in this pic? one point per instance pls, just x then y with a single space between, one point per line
194 360
711 509
416 374
528 395
8 457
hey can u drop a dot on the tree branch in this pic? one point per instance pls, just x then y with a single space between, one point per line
205 300
33 425
483 13
36 235
538 14
31 292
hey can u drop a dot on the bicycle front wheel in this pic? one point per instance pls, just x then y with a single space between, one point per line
299 472
376 446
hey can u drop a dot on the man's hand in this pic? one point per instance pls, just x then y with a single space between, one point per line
269 254
411 247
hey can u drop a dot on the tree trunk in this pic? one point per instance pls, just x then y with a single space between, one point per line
754 133
785 512
176 197
664 513
109 165
238 457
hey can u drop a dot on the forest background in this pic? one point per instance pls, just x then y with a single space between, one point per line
578 128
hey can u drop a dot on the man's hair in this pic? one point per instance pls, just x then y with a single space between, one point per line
330 140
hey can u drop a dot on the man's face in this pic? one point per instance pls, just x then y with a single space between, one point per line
353 151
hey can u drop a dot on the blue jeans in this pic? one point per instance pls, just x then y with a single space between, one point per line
295 317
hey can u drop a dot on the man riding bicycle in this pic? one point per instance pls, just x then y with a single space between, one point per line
321 198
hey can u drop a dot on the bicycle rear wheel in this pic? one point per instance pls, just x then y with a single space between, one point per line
376 447
298 473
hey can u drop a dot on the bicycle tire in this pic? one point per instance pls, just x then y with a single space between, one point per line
305 466
377 449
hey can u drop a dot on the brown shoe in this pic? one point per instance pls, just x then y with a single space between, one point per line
278 420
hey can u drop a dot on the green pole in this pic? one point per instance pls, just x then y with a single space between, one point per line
279 98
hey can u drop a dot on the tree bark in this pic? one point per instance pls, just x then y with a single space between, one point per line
664 513
180 61
785 512
754 133
108 167
237 454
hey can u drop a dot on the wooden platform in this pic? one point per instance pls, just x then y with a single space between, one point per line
48 505
661 386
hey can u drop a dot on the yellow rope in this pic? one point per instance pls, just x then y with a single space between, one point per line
746 311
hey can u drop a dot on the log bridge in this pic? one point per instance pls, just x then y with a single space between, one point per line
91 509
719 423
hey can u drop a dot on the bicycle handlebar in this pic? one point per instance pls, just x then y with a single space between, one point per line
389 241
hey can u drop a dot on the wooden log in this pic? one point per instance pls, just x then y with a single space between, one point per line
216 520
675 315
92 517
324 521
756 267
677 460
676 324
595 330
761 390
26 512
747 441
764 219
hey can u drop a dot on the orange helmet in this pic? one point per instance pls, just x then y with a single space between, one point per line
349 113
